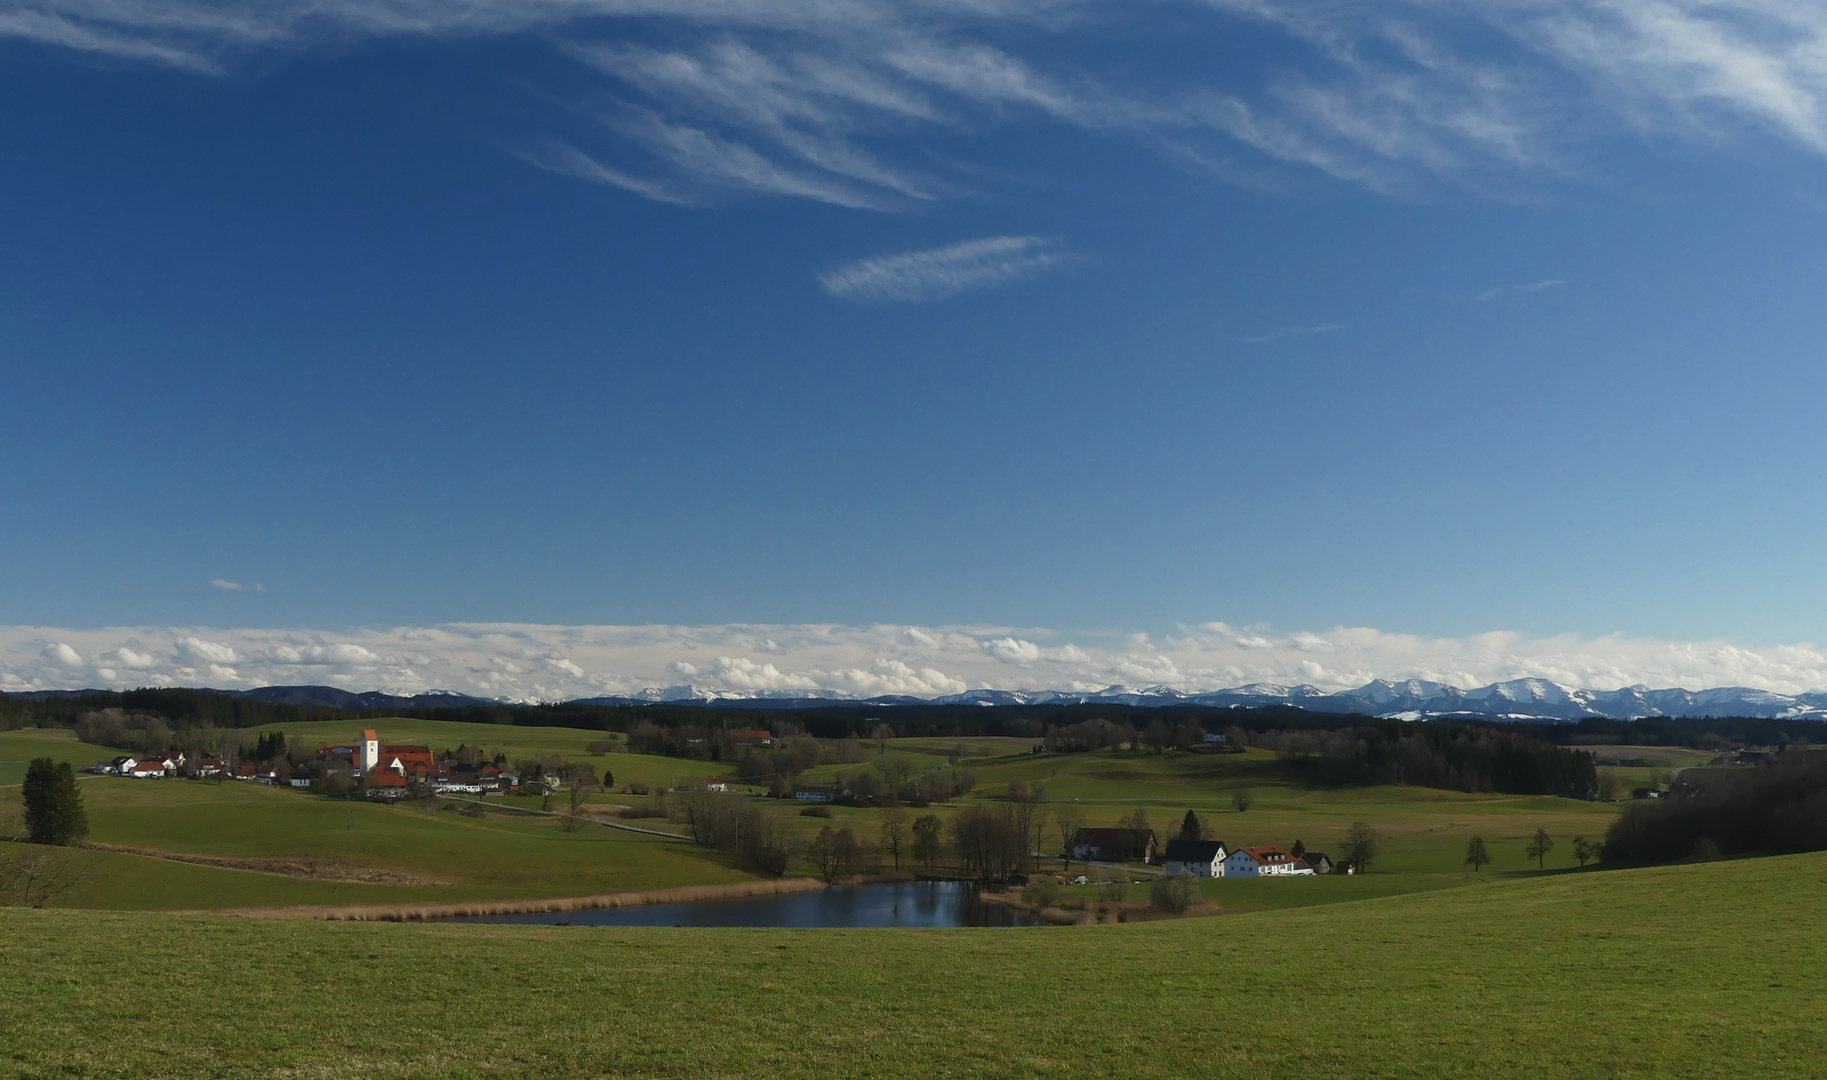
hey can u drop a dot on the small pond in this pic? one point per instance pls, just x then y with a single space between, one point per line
914 903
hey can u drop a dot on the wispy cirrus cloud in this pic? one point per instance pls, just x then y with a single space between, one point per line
236 586
554 155
919 276
1532 287
839 100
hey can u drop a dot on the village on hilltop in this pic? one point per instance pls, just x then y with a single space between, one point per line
366 765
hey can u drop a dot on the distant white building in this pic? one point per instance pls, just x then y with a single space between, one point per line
1265 861
1195 858
1215 737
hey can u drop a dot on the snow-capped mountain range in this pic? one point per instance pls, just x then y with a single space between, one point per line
1517 699
1413 699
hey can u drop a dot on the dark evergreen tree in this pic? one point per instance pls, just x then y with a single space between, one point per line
1299 848
1190 829
53 803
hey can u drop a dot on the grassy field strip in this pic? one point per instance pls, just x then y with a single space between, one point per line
558 814
472 909
1626 975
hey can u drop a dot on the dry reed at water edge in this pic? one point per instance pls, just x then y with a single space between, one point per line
474 908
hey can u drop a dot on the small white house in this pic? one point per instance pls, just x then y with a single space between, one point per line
1213 738
1265 861
1195 858
146 770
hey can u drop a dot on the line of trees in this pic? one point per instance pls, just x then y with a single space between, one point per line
1443 755
1158 733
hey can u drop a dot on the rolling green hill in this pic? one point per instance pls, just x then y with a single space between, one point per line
18 748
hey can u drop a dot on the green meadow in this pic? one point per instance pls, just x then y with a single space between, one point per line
1621 974
18 748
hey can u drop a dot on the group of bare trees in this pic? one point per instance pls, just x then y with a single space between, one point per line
928 830
835 853
148 733
729 823
991 841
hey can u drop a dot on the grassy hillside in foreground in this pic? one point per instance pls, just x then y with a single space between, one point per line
1622 974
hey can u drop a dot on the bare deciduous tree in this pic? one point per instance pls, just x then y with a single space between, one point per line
894 833
1476 855
579 794
1068 819
927 830
31 875
1360 847
1539 846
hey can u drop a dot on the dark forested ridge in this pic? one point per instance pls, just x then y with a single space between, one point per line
1774 808
1436 754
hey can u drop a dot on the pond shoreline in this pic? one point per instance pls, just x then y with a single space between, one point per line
854 904
741 890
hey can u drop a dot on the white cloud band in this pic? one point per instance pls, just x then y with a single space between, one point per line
541 662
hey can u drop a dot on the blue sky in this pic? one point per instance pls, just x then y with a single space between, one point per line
1040 320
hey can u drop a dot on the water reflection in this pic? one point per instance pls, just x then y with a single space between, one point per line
917 903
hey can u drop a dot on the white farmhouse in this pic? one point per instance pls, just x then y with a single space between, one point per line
1195 858
1266 861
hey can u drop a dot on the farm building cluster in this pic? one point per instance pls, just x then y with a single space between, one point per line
1198 858
370 766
